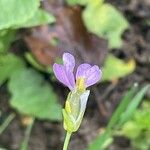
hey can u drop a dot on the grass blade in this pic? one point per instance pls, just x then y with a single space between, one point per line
133 105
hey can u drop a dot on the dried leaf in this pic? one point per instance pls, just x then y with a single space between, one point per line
72 37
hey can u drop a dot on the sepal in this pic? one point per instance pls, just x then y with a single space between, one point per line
72 123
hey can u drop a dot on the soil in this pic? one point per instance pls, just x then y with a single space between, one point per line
104 99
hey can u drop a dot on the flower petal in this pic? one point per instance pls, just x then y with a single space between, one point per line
81 70
91 74
64 76
69 61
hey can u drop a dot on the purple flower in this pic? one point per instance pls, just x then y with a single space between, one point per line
86 74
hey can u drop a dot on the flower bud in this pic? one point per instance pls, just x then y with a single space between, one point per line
74 110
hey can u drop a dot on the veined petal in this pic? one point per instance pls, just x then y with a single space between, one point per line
64 76
69 61
92 74
81 70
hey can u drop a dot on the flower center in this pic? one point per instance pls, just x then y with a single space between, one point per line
80 84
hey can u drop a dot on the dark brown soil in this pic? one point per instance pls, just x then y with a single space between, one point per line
104 98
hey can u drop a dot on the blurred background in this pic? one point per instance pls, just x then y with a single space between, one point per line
113 34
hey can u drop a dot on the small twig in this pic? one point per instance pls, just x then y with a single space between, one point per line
6 122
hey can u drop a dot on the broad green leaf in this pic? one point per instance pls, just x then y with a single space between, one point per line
33 96
134 104
8 65
106 21
115 68
16 12
6 37
39 18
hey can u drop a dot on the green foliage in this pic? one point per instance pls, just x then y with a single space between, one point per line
105 21
133 105
39 18
137 129
48 69
16 12
30 58
19 14
84 2
127 102
115 68
22 13
6 37
8 65
32 96
77 2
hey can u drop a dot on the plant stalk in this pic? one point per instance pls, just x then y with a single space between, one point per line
24 144
67 139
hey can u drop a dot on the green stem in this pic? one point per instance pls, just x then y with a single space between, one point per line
66 143
24 144
6 122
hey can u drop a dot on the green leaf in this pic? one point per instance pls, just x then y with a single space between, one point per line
137 129
6 37
100 141
108 22
39 18
30 58
84 2
115 68
134 104
122 107
8 65
128 105
33 96
16 12
76 2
